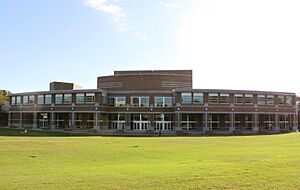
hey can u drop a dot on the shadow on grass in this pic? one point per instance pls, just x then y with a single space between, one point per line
37 133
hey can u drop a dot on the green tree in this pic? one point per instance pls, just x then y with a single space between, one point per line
4 94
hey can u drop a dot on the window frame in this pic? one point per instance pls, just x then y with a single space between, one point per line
59 97
198 94
88 96
223 96
39 98
211 97
186 94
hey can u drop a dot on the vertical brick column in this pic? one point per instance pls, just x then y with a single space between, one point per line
277 127
232 127
34 120
127 122
96 123
21 120
73 126
178 116
205 119
255 127
52 123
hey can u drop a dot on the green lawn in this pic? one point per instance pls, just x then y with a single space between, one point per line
246 162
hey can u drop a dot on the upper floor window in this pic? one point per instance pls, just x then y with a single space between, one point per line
162 101
18 100
142 101
58 98
248 99
48 99
238 98
198 98
90 98
270 100
224 98
213 98
103 98
40 99
281 100
261 99
13 100
117 101
289 100
31 99
186 98
80 98
25 100
28 100
67 98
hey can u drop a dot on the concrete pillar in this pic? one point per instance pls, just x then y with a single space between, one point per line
9 119
255 127
295 127
277 127
127 122
96 124
232 127
52 123
178 117
21 120
35 126
205 128
151 121
73 122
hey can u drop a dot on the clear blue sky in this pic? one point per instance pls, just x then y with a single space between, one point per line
232 44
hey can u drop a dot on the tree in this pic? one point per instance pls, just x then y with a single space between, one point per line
4 96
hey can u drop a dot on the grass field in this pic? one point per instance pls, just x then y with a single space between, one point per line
246 162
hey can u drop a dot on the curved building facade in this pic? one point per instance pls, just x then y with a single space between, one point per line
154 101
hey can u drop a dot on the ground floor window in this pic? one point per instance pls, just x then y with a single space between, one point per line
140 122
163 122
188 122
117 121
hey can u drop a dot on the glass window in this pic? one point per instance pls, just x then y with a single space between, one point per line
25 100
159 101
168 101
135 101
261 99
281 100
186 98
90 98
67 98
18 100
13 100
48 99
238 98
248 99
162 101
140 101
80 98
270 100
144 117
103 98
144 102
198 98
289 100
119 101
224 98
213 98
58 98
31 99
40 99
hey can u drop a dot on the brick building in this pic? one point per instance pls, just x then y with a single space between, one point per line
151 101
